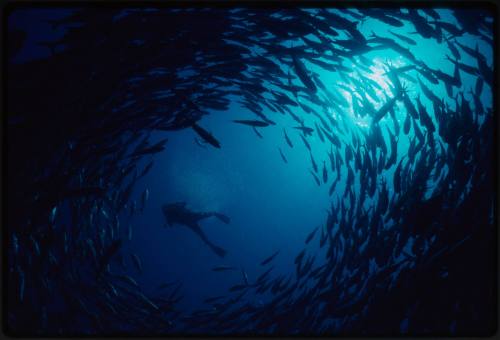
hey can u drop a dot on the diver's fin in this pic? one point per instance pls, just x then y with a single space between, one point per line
222 217
218 250
193 225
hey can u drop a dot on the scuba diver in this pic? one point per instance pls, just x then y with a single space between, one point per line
178 213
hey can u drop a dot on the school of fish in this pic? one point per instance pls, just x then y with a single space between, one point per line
408 244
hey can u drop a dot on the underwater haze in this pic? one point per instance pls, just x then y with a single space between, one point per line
250 171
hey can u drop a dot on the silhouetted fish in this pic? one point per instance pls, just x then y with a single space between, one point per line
254 123
269 259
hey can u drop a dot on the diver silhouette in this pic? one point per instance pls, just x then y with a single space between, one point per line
177 213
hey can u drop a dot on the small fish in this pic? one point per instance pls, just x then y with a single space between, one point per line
65 242
325 173
453 50
478 89
146 169
299 257
428 75
254 123
288 141
133 207
137 262
407 124
213 299
52 216
269 259
311 235
296 118
166 285
261 277
403 38
315 166
237 287
144 198
301 71
323 238
397 177
305 142
257 132
150 150
332 187
108 254
128 279
306 130
332 138
35 245
418 132
175 291
320 134
245 276
207 136
473 53
282 156
15 243
130 232
223 268
332 158
147 301
316 179
432 13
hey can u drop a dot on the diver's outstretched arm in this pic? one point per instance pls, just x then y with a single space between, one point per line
218 250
